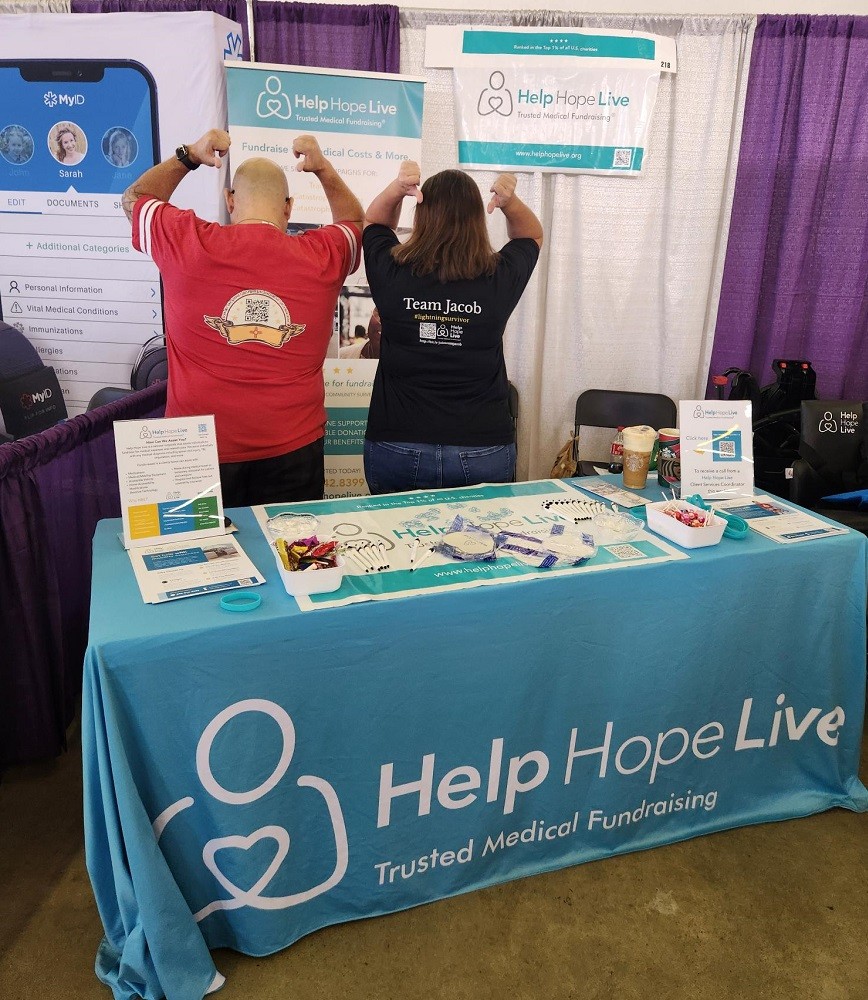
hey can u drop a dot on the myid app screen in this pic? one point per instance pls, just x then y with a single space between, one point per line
73 137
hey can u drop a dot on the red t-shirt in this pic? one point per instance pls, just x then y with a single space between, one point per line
249 315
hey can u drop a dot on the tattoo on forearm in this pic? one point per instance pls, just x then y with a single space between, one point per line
129 198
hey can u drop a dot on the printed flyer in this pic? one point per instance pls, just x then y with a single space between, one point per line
169 479
775 519
170 572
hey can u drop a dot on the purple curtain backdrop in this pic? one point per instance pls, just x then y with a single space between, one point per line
795 281
235 10
334 36
54 487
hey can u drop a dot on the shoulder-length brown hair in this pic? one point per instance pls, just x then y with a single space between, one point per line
449 237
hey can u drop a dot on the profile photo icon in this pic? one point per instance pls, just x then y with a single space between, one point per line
16 144
67 143
120 147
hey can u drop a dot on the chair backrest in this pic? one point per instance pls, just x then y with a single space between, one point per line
108 394
31 399
615 408
513 404
152 364
832 434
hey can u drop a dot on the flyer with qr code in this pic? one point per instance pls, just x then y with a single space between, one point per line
777 520
716 448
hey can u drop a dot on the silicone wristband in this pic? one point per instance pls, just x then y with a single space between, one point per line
240 600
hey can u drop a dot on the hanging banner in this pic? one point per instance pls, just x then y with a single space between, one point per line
555 100
366 124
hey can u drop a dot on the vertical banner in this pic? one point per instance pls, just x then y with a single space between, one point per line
88 104
366 124
555 100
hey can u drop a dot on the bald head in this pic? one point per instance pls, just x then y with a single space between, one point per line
259 190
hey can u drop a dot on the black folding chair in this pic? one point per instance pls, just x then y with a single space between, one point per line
615 408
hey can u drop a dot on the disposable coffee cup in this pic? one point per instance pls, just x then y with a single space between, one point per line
638 445
669 458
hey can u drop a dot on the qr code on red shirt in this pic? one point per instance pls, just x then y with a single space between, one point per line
256 311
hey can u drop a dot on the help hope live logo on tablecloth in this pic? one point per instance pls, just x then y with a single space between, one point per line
410 795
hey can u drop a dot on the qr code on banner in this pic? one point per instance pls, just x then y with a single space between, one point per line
256 311
623 158
625 551
427 331
727 449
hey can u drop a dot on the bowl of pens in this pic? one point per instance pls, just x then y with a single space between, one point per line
308 566
685 524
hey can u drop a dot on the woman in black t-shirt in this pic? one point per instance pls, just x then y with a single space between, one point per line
439 414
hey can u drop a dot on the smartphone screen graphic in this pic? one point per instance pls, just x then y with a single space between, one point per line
73 136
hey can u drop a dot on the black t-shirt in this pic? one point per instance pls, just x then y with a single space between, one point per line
441 377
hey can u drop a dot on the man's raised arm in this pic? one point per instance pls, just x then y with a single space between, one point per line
160 181
344 205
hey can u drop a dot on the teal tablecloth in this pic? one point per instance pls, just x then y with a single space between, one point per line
251 778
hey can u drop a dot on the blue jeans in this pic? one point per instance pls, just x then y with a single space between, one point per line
396 466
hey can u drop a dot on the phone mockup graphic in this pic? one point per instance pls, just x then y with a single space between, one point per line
74 134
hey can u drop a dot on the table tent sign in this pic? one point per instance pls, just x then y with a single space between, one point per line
716 448
366 124
552 99
169 481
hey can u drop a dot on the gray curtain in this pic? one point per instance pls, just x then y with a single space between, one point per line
626 291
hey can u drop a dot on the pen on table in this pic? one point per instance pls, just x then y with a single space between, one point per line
413 551
421 559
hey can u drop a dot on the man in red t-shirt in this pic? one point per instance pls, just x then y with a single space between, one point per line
249 313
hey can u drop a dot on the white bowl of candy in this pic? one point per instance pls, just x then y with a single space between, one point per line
685 524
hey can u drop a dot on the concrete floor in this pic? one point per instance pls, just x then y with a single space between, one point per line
774 912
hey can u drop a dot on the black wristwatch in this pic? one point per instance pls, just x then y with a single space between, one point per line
183 154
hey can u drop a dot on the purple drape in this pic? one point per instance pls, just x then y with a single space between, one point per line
334 36
235 10
795 281
54 487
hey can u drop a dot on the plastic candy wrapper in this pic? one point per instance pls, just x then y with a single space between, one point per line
306 554
467 542
288 526
570 548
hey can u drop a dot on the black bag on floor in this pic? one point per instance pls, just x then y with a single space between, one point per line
776 418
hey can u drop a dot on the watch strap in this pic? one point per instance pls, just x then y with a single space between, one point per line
183 155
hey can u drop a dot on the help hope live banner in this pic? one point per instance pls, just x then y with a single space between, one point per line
552 99
366 124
